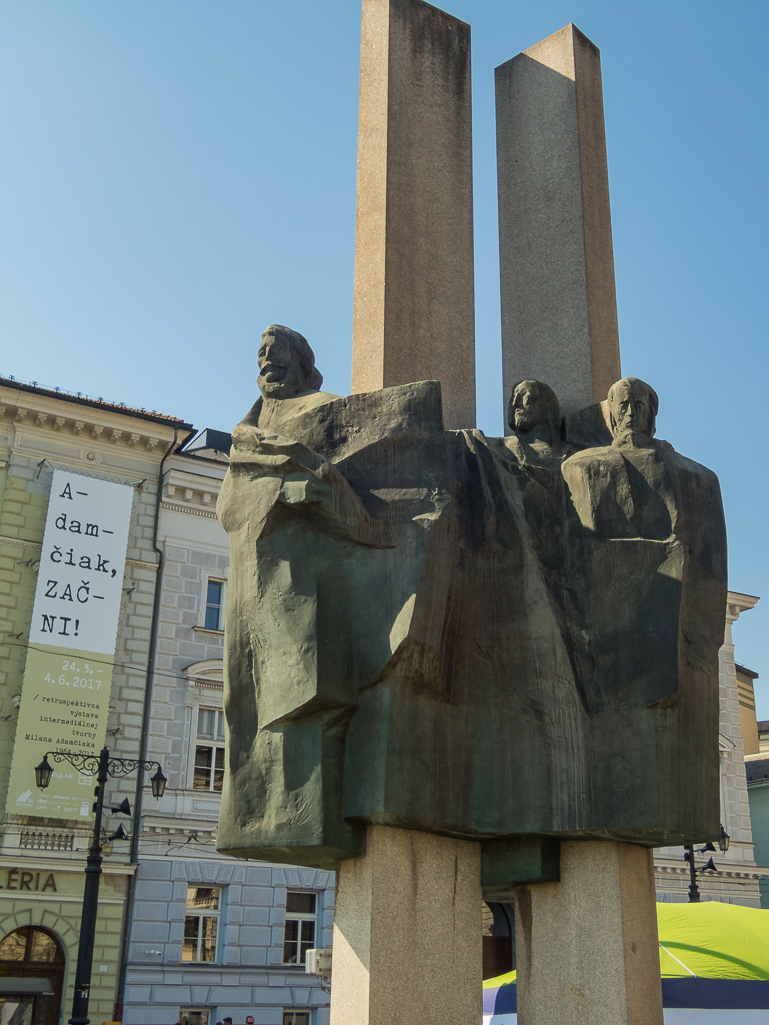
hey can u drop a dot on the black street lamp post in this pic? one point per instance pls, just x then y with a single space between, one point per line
694 890
102 767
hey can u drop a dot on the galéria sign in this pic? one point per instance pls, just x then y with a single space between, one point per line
68 675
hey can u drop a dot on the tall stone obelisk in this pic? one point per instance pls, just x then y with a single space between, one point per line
587 944
407 944
559 307
414 305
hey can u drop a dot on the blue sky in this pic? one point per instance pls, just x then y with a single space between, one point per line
177 174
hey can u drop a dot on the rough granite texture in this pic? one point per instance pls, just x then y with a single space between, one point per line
413 316
571 972
403 952
559 308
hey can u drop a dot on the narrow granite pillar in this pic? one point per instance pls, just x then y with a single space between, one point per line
414 306
586 947
407 932
559 307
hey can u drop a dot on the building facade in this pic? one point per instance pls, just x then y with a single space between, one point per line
738 878
746 679
757 766
210 936
42 855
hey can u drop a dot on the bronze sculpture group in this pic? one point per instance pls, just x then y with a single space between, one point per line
487 638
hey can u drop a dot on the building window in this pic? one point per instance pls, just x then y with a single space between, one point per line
214 605
300 928
194 1015
201 923
209 750
296 1018
30 944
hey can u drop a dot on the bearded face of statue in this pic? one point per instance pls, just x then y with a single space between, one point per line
281 374
527 408
532 404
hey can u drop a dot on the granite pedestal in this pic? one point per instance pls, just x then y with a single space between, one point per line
587 946
407 932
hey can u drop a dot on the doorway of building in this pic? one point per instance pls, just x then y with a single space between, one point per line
28 954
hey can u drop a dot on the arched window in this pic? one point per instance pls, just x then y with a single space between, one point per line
31 984
498 926
31 944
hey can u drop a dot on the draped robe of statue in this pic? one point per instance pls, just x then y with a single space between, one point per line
422 631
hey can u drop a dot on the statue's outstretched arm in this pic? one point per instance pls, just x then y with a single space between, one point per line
311 486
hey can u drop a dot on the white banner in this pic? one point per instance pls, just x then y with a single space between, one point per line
80 580
68 674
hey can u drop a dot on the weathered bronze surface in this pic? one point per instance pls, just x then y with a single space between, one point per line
483 637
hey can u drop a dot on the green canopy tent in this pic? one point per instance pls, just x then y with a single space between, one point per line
714 962
713 941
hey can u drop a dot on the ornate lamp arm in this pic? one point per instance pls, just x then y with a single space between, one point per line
85 763
90 765
122 766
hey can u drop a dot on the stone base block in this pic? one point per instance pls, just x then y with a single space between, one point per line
587 946
407 932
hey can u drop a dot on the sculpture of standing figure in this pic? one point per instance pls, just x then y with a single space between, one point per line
660 514
327 538
534 415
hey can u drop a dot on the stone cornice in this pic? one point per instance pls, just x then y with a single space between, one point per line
737 603
92 426
169 828
43 861
208 673
19 542
19 392
191 510
726 873
207 684
187 491
140 564
203 473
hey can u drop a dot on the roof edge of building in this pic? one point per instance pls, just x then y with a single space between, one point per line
82 400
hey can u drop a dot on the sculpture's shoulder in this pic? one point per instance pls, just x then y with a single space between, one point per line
697 496
251 419
276 414
309 400
512 445
615 455
587 460
470 436
600 491
683 464
407 416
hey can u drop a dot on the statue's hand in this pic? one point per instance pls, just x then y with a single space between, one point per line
268 454
307 489
304 481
